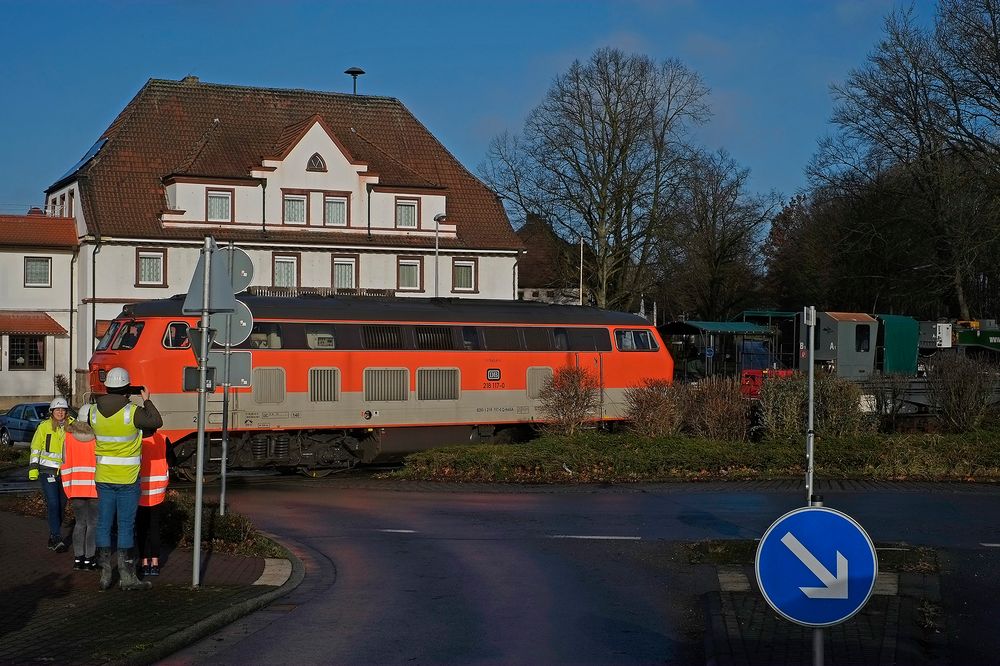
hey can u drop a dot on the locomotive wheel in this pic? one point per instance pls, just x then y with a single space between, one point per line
192 476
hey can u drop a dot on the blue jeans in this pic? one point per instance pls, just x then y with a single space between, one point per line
121 500
55 501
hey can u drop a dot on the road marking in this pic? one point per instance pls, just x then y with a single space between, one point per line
990 545
594 536
398 531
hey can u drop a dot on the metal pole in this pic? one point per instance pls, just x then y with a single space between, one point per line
202 397
818 631
581 269
225 393
810 319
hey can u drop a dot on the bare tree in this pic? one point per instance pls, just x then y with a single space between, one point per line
599 157
710 253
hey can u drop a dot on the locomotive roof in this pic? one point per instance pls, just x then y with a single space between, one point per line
360 308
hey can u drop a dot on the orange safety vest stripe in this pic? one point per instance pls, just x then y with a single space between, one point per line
154 473
78 468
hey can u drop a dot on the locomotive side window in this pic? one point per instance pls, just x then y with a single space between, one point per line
108 336
320 336
382 337
434 337
635 340
470 337
176 335
536 338
501 338
561 339
589 339
129 335
265 335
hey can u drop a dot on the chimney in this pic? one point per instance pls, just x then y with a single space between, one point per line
190 79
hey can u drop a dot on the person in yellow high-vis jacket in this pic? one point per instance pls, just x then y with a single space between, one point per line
44 463
118 424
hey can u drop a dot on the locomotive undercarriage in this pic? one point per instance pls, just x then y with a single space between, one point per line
314 453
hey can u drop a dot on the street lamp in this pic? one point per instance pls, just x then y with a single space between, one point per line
438 219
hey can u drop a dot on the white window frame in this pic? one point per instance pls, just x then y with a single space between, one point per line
48 272
408 203
161 258
471 265
304 198
285 259
345 261
399 274
225 194
335 198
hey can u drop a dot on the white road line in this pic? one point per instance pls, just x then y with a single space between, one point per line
990 545
398 531
591 536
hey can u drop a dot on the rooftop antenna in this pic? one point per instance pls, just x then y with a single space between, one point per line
355 72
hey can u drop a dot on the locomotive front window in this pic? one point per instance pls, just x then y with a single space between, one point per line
129 335
635 340
108 336
176 336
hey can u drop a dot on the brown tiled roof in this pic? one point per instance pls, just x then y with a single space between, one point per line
550 262
200 129
28 323
38 231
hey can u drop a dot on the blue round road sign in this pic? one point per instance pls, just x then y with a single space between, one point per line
816 566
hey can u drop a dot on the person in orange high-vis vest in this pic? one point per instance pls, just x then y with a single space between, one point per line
154 476
77 474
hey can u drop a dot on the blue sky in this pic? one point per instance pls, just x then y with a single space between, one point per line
467 69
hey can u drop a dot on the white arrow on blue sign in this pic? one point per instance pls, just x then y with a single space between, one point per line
816 566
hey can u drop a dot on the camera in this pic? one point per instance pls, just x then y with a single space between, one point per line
135 390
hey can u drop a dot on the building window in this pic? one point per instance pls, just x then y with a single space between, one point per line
407 213
410 273
463 275
286 270
345 272
316 163
62 204
294 209
27 352
37 272
72 201
335 210
219 204
150 268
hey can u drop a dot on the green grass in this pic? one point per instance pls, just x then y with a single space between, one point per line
622 458
11 457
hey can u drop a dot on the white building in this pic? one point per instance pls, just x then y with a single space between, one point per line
323 190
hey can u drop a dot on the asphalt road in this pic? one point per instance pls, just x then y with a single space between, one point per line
426 574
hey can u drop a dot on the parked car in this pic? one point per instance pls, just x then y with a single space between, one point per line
20 421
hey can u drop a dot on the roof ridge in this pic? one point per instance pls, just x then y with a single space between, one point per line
322 93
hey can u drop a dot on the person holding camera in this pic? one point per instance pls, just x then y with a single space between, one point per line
118 424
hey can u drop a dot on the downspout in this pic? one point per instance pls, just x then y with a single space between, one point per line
368 187
263 206
93 291
72 281
513 276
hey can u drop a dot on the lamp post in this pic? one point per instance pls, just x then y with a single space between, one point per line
438 219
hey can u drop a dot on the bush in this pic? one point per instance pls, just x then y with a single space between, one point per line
63 387
887 392
654 408
569 400
960 388
784 403
715 409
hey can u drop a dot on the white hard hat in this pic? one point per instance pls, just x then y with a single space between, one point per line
58 403
117 378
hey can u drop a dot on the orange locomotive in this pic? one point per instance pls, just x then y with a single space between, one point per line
340 380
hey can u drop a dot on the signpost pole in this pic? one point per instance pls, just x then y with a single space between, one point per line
810 321
202 399
225 397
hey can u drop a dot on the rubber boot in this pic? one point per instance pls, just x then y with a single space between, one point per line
126 571
107 568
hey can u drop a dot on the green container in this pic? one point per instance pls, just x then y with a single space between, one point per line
899 341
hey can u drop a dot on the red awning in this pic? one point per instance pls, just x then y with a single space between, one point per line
29 323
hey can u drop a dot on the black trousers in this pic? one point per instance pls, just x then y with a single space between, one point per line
147 531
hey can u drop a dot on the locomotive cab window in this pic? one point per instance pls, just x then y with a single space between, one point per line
176 335
265 335
128 336
108 336
470 337
634 340
862 338
320 336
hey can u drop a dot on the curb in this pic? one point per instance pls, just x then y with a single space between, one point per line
223 618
